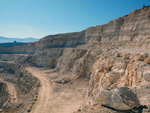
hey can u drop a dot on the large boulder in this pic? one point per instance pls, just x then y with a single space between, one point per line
128 97
122 98
62 80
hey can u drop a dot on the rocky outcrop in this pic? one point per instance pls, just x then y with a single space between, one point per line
111 72
66 60
62 40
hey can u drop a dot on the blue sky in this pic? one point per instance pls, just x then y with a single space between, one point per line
39 18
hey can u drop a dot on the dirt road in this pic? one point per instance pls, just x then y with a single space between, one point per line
12 91
57 98
42 105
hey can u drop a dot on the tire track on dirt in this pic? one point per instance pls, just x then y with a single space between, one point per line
42 104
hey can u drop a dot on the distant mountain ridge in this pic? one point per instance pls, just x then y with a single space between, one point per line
25 40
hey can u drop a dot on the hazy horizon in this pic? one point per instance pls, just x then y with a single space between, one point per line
20 38
37 19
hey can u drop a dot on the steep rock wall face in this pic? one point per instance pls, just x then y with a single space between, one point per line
62 40
62 60
111 72
136 27
128 28
24 49
69 60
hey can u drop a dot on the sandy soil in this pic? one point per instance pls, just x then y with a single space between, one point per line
57 98
68 98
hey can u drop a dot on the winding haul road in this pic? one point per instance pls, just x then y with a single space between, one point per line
42 104
53 98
